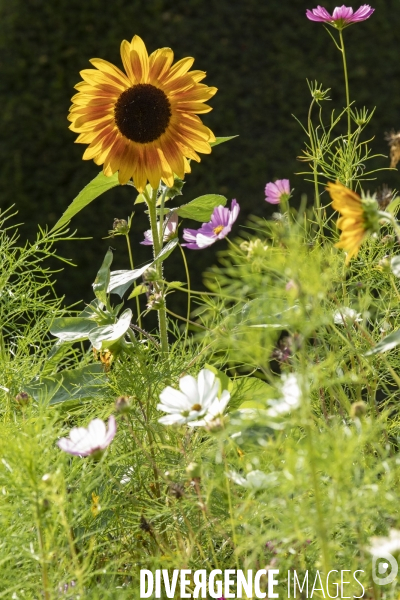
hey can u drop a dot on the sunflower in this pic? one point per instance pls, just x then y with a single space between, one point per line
144 123
359 217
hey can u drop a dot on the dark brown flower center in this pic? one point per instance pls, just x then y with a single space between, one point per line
142 113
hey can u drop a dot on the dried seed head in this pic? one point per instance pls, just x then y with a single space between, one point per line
384 195
393 139
145 525
177 490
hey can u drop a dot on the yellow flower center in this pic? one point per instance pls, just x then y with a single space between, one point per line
218 229
196 407
142 113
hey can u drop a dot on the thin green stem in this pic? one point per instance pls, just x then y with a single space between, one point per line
188 290
139 316
43 559
311 136
346 81
162 314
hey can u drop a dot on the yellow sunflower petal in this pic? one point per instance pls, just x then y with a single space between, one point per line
159 63
139 59
111 70
126 61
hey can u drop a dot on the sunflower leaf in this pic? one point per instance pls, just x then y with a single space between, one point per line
120 281
95 188
166 251
389 342
139 289
395 265
109 335
72 329
202 207
100 285
221 140
69 384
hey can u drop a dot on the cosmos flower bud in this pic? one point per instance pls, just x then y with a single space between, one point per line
122 404
358 409
22 399
121 227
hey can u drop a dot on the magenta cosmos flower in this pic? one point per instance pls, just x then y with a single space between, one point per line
341 17
170 225
93 440
220 225
278 191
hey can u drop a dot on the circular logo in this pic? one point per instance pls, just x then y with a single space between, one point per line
379 575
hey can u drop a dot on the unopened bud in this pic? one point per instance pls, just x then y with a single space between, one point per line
122 404
358 409
22 399
151 274
155 301
120 226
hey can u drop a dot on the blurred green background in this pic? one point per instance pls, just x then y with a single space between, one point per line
258 54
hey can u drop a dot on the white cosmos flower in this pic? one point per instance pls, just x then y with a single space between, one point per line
216 410
290 399
385 545
346 315
94 439
255 480
193 401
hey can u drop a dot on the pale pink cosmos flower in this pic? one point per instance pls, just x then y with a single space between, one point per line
278 191
341 17
170 225
93 440
220 225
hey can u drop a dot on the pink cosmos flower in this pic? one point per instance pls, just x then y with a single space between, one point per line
275 192
220 225
93 440
341 17
170 225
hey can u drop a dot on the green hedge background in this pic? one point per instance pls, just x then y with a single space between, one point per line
258 54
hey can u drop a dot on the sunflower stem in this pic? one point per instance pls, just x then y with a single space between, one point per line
139 316
162 313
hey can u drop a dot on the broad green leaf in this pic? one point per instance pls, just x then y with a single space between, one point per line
221 140
395 265
95 188
91 309
139 289
70 384
175 190
72 329
225 382
141 197
389 342
166 251
120 281
201 208
102 280
55 356
107 336
250 392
